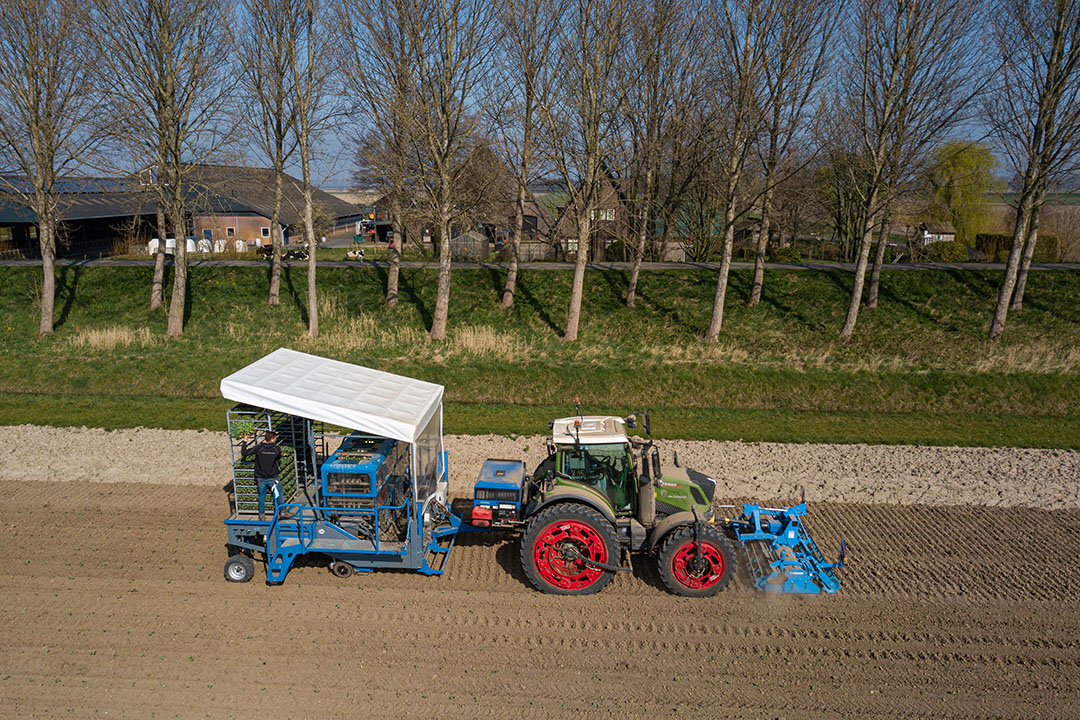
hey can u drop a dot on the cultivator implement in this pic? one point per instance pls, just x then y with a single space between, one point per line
781 557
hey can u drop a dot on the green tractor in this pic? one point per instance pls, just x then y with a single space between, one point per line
600 495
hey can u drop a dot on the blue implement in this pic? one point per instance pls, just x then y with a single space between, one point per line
781 555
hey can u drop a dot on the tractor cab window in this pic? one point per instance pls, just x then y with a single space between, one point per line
607 467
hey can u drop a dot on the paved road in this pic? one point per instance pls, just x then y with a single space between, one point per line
123 262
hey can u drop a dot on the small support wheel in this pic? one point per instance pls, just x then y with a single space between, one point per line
341 569
239 568
696 562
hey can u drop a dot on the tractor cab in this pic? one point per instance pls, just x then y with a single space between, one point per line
594 452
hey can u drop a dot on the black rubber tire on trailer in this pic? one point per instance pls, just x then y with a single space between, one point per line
341 569
239 568
552 538
690 572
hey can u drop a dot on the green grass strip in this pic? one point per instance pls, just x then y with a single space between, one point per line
111 412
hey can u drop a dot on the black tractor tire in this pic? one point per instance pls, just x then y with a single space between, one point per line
239 568
678 557
554 536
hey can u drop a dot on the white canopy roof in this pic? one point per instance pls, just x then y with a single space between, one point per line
336 392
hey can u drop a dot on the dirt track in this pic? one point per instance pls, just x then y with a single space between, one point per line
114 604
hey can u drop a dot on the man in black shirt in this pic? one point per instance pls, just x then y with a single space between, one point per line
267 455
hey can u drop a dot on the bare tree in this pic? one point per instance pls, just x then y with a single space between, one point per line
580 118
378 71
453 43
741 28
795 61
163 69
662 76
909 79
1034 108
47 102
267 28
311 66
528 30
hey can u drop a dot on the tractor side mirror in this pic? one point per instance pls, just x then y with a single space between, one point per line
656 464
648 429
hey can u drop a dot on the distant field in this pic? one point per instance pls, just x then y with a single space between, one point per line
917 371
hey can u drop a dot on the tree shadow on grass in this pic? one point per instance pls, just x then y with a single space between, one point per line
67 283
498 284
618 283
409 292
301 306
672 315
526 295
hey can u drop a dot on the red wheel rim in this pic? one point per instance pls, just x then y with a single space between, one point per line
559 548
698 565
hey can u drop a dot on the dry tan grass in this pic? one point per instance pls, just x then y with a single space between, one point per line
110 338
485 341
1037 357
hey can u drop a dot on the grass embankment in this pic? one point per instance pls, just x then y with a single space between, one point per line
917 371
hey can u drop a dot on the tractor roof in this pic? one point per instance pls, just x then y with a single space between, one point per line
593 430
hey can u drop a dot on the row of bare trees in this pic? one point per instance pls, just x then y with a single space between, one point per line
701 111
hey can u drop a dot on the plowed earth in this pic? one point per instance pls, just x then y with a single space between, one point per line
114 605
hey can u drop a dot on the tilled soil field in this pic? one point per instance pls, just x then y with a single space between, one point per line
114 605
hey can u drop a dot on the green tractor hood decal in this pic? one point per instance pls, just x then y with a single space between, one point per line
686 489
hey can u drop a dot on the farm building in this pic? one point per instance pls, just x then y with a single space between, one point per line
935 231
225 205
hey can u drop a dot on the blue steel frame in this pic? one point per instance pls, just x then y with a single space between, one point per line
299 528
793 562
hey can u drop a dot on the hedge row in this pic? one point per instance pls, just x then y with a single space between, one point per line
996 247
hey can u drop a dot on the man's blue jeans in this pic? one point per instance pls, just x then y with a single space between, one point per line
266 485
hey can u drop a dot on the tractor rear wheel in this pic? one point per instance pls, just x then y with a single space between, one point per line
239 568
556 544
696 566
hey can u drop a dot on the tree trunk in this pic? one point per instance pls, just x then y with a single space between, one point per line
1029 253
309 222
175 327
47 241
879 259
639 257
762 246
860 279
643 233
577 289
397 237
1008 283
275 239
156 299
717 321
442 295
515 248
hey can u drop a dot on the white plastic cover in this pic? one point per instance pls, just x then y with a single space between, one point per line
339 393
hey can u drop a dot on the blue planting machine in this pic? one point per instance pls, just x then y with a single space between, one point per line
371 498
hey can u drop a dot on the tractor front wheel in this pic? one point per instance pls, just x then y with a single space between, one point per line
696 563
557 544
